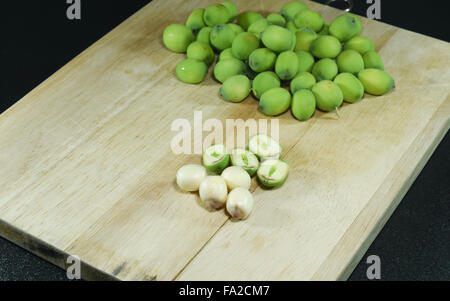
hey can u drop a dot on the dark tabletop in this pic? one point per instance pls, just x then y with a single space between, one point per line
38 39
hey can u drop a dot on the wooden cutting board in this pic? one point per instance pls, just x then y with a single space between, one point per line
87 167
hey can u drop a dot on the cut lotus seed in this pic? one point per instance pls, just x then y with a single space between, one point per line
216 158
245 159
240 203
273 172
265 147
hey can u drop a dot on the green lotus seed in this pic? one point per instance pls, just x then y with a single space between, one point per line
232 9
235 88
227 68
289 10
351 87
372 60
305 36
244 44
328 95
216 14
309 18
177 37
201 51
203 35
346 27
276 19
360 44
291 26
350 61
258 27
325 30
236 28
376 82
286 66
303 80
195 20
262 59
305 61
325 69
191 71
303 105
222 36
278 38
226 54
326 47
248 18
264 82
275 101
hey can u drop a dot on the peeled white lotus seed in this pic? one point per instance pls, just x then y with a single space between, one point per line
190 176
235 177
213 192
240 203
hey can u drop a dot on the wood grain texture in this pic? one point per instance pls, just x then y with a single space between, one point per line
87 167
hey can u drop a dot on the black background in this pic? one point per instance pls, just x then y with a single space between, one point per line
38 39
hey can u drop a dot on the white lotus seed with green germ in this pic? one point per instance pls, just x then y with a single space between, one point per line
245 159
235 177
189 177
213 192
264 147
216 158
273 172
240 203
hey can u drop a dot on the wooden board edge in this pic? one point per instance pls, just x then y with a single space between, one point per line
373 217
49 252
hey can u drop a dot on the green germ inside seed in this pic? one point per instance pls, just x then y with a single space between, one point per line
272 170
245 159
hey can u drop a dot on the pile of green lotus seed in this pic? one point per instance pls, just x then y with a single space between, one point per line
322 64
231 188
